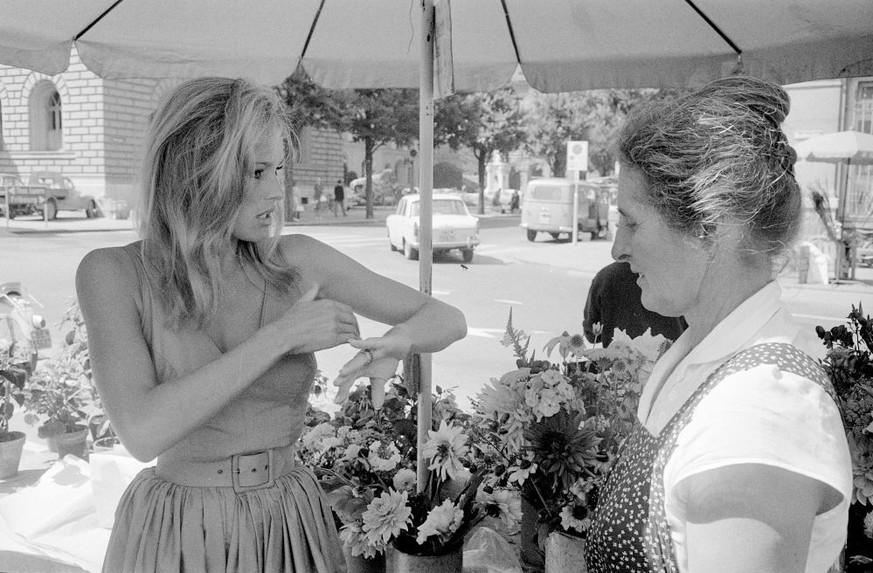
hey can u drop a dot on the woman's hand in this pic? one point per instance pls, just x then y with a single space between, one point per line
376 360
311 325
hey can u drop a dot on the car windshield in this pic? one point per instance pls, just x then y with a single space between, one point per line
442 207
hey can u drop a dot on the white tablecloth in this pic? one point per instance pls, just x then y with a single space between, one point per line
61 522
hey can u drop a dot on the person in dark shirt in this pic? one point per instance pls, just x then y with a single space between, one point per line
614 302
339 199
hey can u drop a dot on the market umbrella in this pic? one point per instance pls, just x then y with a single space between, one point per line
476 45
841 147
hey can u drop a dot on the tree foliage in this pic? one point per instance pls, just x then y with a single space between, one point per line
374 117
554 119
482 122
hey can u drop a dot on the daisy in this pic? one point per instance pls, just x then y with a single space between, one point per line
386 517
445 448
501 503
575 516
519 474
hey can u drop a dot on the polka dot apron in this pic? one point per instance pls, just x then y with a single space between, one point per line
629 532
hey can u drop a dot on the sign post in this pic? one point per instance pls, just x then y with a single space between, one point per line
577 160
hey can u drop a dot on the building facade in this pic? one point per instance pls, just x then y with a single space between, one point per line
92 130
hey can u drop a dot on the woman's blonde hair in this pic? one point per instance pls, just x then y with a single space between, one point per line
199 150
718 154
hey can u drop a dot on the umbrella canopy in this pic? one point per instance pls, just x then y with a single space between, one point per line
560 45
851 147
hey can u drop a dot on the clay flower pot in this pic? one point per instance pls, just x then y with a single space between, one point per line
11 446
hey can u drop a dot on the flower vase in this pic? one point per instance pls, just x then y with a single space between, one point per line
10 454
529 535
73 443
565 553
361 564
399 562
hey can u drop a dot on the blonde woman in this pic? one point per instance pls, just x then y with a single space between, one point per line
202 337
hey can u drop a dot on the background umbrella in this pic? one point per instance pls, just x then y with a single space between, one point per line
559 45
842 147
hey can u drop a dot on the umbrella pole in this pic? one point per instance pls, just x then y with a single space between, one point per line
841 258
425 252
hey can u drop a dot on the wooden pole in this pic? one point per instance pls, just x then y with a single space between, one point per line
425 189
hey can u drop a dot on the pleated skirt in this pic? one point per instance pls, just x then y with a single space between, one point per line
163 527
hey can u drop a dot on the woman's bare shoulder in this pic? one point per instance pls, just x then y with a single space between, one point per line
108 267
303 251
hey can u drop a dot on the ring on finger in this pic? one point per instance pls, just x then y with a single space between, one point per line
368 355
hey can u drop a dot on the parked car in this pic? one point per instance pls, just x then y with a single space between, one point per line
547 207
453 226
20 323
63 195
20 199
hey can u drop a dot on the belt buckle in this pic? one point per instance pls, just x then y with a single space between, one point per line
252 471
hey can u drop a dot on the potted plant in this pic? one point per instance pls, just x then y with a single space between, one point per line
61 395
14 370
55 399
849 365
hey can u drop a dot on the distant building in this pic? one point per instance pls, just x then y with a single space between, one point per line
827 106
92 130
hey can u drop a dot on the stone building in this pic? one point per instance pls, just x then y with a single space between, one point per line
91 129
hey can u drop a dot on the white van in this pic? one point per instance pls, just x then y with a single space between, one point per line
547 207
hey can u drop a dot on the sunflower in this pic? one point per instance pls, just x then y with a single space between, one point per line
563 447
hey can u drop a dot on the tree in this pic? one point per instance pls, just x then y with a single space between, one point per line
308 105
482 122
378 117
593 115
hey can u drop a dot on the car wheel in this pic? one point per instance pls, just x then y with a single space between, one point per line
555 236
51 207
91 211
12 214
468 255
409 252
531 235
595 235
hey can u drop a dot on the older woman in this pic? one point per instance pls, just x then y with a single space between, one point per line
740 462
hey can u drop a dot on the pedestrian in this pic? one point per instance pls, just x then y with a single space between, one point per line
201 339
514 202
339 197
614 302
296 202
740 461
318 197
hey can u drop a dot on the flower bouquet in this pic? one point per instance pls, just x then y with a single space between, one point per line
553 430
849 366
365 459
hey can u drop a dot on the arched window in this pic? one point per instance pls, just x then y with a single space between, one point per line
46 124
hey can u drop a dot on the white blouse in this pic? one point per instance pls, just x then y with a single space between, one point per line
762 416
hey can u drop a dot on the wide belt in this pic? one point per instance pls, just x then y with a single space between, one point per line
242 472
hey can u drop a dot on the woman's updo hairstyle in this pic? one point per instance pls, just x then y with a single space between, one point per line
718 155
